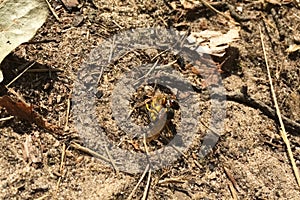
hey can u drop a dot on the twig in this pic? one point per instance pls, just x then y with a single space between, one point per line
149 173
183 154
232 191
61 167
215 10
52 11
164 51
139 182
43 197
6 118
109 58
43 70
167 65
20 74
264 108
282 131
147 186
88 151
111 160
231 178
171 180
40 41
118 25
67 114
147 74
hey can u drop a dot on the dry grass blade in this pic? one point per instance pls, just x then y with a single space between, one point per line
171 180
139 182
233 191
89 151
20 74
67 114
61 167
52 11
231 178
6 118
143 175
112 161
215 10
44 70
282 131
43 197
147 186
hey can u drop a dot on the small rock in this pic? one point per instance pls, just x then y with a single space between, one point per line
58 99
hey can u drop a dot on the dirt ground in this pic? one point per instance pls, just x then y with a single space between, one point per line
250 160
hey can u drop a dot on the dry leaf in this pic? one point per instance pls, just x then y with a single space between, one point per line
188 4
24 111
292 48
19 21
213 42
21 110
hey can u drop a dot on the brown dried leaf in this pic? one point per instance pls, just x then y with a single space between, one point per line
24 111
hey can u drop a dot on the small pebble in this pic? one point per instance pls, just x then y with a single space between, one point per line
58 99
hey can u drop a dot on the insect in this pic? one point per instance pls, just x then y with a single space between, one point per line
161 111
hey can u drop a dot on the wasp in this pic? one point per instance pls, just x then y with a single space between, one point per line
160 111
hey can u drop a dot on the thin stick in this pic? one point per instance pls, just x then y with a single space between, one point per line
160 54
232 191
215 10
20 74
109 58
142 177
44 70
139 182
282 131
112 161
43 197
185 156
118 25
61 167
67 114
264 108
88 151
6 118
147 74
166 65
20 98
147 186
231 178
53 11
149 173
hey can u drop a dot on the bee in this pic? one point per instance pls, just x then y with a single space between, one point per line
161 111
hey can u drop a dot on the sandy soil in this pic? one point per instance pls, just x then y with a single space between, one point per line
250 160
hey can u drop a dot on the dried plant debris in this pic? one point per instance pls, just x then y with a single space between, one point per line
24 111
19 21
214 42
293 48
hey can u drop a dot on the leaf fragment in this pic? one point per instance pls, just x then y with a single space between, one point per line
19 21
